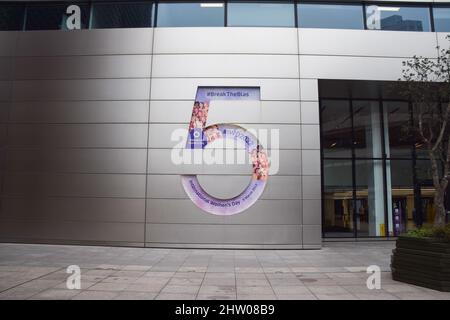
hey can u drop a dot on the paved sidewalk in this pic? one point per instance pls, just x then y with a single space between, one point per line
335 272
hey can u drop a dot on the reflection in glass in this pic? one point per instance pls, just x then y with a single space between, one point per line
402 213
370 200
398 139
427 191
367 129
260 14
441 16
122 15
398 17
336 126
11 17
191 14
53 16
330 16
337 198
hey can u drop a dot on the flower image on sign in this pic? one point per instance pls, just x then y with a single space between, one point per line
200 136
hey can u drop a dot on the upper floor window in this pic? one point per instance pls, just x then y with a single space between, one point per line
333 16
57 16
264 14
191 14
11 17
122 15
398 17
441 17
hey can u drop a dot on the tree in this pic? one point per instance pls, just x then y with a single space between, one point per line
426 83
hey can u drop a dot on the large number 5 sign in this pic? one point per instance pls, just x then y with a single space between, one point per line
200 136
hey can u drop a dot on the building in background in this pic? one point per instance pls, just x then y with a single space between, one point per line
91 92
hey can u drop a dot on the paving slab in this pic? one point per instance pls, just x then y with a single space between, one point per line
338 271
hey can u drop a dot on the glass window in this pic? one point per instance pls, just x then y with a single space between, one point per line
399 174
330 16
122 15
208 14
261 14
367 129
426 192
11 17
336 128
401 18
54 16
441 17
338 198
369 204
398 136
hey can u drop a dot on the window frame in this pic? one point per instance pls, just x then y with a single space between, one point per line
343 3
157 3
427 5
294 4
17 4
93 3
439 6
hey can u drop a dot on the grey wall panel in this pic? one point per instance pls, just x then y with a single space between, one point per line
160 162
3 130
8 41
73 209
312 212
366 43
226 40
185 233
226 234
310 136
78 135
90 89
282 112
160 135
312 235
311 162
353 68
225 66
84 67
263 212
5 90
4 111
77 160
311 187
170 187
283 187
80 111
269 112
185 89
268 234
165 186
277 187
310 112
75 185
71 230
171 111
270 212
6 68
309 89
224 186
85 42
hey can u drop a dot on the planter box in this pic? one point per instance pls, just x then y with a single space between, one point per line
422 261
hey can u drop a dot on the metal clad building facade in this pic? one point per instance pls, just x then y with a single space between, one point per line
86 118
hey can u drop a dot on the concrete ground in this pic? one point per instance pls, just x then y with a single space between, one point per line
338 271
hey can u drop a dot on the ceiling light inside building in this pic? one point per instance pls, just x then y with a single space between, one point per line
211 5
388 8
